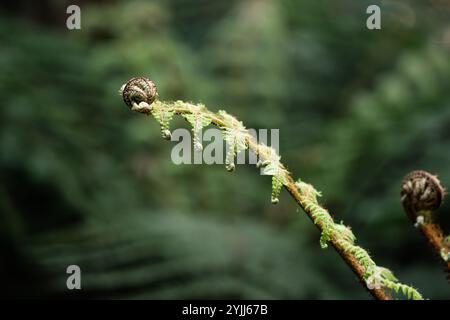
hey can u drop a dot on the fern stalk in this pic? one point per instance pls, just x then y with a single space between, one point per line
140 95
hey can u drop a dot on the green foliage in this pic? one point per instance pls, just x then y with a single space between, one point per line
276 189
319 214
163 116
273 167
235 136
198 122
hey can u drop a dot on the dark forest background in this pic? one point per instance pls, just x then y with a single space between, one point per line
85 181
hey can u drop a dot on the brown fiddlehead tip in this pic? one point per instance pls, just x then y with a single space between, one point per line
421 191
139 93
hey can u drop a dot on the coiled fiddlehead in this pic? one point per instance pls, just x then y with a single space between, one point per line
422 193
139 93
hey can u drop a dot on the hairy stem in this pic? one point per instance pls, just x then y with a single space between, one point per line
350 260
377 280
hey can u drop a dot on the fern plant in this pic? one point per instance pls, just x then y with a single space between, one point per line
141 96
421 194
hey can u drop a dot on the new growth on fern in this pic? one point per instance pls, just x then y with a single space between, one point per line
421 194
141 96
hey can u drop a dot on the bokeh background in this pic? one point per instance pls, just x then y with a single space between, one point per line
85 181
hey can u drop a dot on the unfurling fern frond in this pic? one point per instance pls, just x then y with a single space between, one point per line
273 167
237 138
198 122
163 116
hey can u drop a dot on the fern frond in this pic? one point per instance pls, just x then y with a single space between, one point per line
198 122
235 136
341 237
163 116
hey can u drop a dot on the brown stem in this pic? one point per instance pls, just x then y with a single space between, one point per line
138 94
350 260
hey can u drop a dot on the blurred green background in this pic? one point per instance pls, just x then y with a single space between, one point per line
85 181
